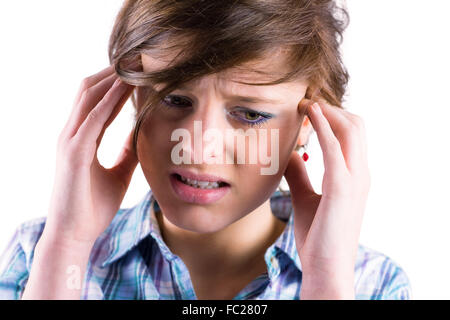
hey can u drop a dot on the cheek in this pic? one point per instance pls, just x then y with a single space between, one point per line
253 189
281 140
258 181
154 144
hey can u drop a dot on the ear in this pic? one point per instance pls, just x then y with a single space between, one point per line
306 127
305 131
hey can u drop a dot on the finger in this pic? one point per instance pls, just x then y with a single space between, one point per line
331 148
88 83
91 128
303 105
93 80
304 199
297 177
90 98
126 161
115 112
348 133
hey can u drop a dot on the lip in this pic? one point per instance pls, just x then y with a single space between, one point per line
196 195
199 176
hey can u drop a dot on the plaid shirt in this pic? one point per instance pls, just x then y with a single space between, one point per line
130 260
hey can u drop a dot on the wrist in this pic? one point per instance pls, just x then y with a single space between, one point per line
62 241
63 248
58 268
327 286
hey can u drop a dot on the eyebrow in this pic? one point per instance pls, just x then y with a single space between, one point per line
251 99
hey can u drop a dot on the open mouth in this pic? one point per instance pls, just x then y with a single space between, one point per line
200 184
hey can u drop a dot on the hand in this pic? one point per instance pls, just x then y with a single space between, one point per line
86 196
327 226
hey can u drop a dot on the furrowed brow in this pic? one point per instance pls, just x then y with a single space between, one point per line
251 99
248 99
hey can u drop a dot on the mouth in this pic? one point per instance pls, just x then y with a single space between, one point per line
203 190
199 184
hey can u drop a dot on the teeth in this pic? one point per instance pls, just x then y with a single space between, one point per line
203 184
200 184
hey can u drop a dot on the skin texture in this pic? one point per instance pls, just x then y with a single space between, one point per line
85 196
327 226
221 243
225 240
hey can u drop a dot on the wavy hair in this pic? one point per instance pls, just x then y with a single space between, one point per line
209 36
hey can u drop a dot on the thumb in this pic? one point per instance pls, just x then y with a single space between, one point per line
295 173
301 191
297 178
126 161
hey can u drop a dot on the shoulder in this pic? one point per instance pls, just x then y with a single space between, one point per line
377 276
30 231
24 240
16 259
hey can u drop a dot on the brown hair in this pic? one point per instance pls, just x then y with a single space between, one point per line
213 35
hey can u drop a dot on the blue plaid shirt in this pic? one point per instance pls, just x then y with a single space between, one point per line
130 260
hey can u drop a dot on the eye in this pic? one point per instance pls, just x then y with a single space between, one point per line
251 117
176 101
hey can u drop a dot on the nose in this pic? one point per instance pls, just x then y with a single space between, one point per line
206 126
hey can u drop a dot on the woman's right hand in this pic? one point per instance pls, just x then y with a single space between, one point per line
86 196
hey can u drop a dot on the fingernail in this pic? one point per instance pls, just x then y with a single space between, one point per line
117 83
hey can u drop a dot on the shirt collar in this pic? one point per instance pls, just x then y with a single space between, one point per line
130 226
285 244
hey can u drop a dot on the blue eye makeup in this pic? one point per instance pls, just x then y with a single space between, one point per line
251 117
248 116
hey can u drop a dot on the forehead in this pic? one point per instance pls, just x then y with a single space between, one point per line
269 68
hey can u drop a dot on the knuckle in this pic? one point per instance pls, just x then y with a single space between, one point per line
93 115
353 128
357 122
85 83
87 95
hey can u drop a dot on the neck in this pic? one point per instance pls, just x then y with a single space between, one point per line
232 251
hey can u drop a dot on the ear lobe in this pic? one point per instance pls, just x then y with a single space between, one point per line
305 131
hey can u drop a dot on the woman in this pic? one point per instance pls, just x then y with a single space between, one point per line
210 228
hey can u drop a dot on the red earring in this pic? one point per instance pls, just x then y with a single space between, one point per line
305 155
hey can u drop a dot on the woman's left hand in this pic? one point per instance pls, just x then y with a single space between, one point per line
327 226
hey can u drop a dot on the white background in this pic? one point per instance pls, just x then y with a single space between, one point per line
396 52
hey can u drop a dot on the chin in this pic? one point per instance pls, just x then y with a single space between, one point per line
198 220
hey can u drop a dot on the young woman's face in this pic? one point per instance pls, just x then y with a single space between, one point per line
216 102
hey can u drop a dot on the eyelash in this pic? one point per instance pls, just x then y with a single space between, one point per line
258 123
